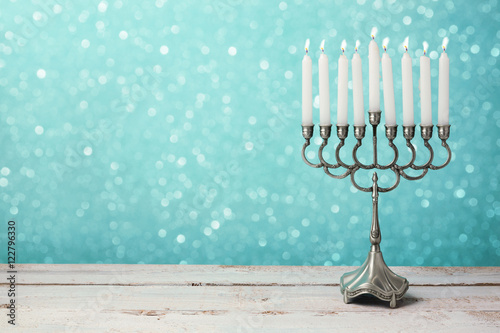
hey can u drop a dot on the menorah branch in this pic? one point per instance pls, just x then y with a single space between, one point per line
390 133
444 134
396 183
307 133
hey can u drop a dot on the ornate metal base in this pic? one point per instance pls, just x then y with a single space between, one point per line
373 278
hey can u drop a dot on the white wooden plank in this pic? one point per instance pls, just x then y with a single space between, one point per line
318 299
159 298
256 308
239 275
437 321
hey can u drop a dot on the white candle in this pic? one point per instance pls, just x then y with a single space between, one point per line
342 88
324 88
307 88
408 119
425 89
388 85
357 89
374 73
444 87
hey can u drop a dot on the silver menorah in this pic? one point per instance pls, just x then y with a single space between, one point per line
374 277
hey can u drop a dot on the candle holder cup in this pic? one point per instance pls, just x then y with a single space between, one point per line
374 277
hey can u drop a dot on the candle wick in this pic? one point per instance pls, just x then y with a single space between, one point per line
373 37
406 48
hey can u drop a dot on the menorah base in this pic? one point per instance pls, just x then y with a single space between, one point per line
373 278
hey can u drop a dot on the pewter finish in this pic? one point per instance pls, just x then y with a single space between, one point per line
342 131
409 132
443 131
307 131
426 132
359 132
391 132
325 131
374 117
374 277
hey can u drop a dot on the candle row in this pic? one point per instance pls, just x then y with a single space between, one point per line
374 88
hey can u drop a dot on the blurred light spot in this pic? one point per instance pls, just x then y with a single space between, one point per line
41 73
102 6
4 182
232 51
39 130
5 171
181 238
460 193
163 49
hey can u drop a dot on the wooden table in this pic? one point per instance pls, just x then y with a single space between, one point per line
154 298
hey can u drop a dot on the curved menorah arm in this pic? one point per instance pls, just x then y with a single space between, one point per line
408 177
429 161
394 161
355 157
345 174
337 155
413 155
396 183
353 181
322 160
304 147
448 149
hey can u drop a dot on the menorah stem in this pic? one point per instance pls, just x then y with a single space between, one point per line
375 162
374 119
375 235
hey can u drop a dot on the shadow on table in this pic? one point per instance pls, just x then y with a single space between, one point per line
369 300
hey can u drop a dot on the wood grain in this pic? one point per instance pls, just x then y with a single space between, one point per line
178 298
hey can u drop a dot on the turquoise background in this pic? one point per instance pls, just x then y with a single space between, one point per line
169 132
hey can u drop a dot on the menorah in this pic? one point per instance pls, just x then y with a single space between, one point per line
374 277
